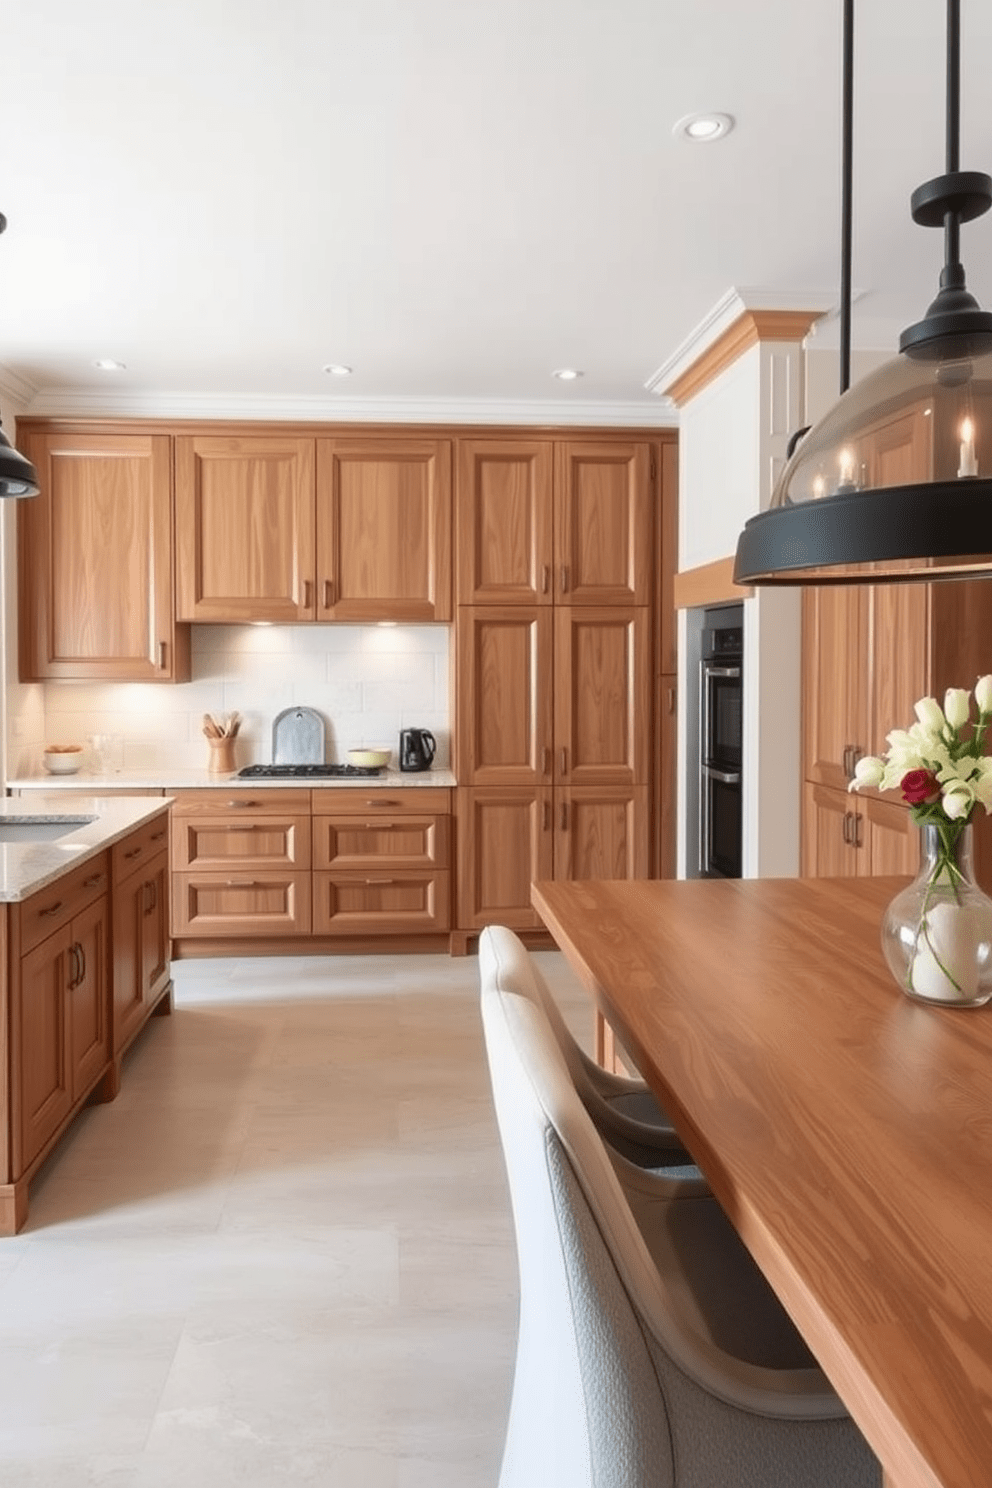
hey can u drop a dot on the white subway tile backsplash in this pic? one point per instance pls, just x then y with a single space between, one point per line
366 681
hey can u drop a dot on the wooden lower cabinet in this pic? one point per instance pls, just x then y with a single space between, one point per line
848 835
142 945
60 1014
508 837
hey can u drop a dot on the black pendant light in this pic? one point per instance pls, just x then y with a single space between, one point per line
895 483
18 476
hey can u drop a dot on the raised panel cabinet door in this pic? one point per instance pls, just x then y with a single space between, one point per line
141 947
95 561
829 833
391 902
244 528
891 839
604 521
899 670
602 717
245 905
503 521
384 529
89 1004
504 701
835 681
505 842
666 775
601 832
41 1074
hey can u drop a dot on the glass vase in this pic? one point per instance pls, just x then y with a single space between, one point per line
937 933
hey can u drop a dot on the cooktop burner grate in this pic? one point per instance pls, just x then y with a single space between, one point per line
307 772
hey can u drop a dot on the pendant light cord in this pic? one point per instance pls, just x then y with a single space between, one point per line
952 220
846 174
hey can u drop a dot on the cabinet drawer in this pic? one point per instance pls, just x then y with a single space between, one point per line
420 800
246 905
344 843
216 843
210 802
51 908
140 847
393 903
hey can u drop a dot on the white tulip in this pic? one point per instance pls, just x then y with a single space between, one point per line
957 706
928 711
983 693
868 771
958 800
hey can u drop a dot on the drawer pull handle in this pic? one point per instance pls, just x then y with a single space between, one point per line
328 594
241 883
381 804
74 974
242 805
374 826
384 881
237 827
91 883
157 836
134 853
52 909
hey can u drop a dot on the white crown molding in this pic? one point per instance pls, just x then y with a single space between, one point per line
728 309
16 389
117 403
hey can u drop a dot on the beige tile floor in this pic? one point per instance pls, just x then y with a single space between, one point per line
284 1254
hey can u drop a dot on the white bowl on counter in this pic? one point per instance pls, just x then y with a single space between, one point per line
369 759
62 759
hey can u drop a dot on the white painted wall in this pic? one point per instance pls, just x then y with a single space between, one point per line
733 437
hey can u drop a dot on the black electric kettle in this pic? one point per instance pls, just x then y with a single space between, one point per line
417 747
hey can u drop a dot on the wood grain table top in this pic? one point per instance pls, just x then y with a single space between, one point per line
846 1129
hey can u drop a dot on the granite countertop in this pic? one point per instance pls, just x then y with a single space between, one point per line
26 867
171 780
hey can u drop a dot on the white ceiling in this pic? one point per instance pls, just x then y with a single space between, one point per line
455 197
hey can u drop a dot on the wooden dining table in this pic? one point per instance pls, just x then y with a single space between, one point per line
845 1128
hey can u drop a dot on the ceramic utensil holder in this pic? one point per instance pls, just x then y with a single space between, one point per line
221 756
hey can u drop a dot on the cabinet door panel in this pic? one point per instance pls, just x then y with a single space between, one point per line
829 849
601 832
141 947
206 844
504 843
96 561
244 528
394 902
384 530
89 1032
891 838
41 1073
604 520
504 695
259 904
602 696
350 843
504 522
835 669
899 671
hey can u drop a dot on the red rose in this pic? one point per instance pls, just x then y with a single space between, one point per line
920 787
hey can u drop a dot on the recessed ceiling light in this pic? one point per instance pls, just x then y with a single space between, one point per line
703 129
107 364
567 374
338 369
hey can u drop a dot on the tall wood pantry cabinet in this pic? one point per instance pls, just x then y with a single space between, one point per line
95 560
554 656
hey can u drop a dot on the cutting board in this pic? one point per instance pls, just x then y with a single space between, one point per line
298 737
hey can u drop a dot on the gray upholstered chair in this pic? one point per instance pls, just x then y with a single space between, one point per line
651 1351
624 1110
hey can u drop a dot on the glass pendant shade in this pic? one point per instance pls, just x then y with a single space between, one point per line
18 476
894 483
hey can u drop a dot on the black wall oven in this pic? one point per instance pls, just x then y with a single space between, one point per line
720 736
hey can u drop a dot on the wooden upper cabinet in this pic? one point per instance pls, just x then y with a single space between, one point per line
504 701
603 523
602 714
95 561
244 528
505 507
835 669
383 529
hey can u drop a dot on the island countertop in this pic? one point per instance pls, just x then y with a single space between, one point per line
26 867
174 780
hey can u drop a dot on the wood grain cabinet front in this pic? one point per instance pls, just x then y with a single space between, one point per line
95 562
141 929
60 1007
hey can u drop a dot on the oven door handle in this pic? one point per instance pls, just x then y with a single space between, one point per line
720 671
725 777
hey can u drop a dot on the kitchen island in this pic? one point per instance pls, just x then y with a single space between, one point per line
844 1128
84 925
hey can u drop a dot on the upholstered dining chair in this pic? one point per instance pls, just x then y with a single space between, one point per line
624 1109
651 1352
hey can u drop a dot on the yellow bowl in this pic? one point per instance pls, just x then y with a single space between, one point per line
369 759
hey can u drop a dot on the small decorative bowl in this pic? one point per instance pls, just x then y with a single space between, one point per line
369 759
62 759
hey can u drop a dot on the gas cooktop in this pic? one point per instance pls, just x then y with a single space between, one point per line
307 772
